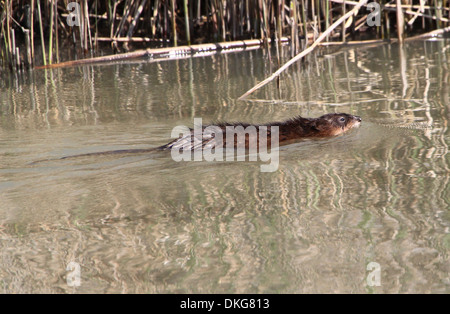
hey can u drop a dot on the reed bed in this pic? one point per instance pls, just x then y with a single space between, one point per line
32 32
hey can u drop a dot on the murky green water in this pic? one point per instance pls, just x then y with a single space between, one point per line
147 224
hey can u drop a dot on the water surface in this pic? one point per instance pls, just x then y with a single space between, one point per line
146 224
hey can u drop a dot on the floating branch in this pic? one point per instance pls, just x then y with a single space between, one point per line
161 52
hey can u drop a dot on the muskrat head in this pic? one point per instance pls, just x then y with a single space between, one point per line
336 123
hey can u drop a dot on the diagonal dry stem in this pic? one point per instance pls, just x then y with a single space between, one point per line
306 51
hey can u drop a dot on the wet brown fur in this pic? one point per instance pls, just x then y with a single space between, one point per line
290 131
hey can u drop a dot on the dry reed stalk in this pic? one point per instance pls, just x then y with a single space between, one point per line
111 32
438 12
241 15
343 24
136 18
304 20
327 16
32 30
199 7
314 18
28 47
400 21
222 18
295 45
82 31
154 18
233 16
279 19
266 28
174 23
13 46
126 12
387 26
96 25
88 25
17 58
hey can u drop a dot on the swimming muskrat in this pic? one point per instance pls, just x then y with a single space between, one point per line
289 131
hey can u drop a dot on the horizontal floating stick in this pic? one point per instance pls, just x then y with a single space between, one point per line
160 52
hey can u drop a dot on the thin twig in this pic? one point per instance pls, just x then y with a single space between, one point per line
434 33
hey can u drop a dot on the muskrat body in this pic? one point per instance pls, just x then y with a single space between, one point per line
214 136
289 131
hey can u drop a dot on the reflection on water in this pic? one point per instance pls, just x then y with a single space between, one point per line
144 223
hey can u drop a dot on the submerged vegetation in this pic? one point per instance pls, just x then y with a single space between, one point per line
33 31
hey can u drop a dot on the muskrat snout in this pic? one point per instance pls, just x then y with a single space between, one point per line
358 121
355 122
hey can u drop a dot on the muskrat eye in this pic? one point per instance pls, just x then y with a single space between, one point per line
342 119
